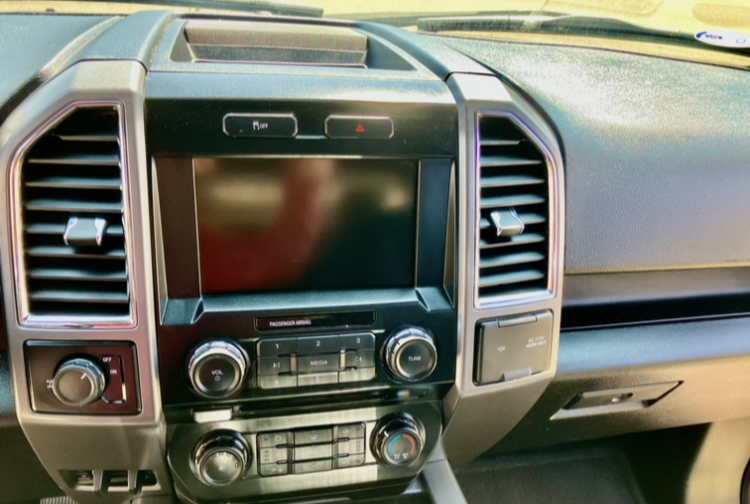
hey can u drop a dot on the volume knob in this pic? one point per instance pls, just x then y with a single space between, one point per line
217 369
410 354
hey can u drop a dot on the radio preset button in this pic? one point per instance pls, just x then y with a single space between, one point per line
362 341
313 436
274 365
277 381
360 359
276 347
357 375
307 380
317 344
318 363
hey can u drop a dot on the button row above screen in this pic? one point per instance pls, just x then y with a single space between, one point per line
285 126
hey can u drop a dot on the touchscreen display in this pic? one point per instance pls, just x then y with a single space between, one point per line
269 225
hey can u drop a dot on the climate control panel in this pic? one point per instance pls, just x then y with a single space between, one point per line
311 450
250 455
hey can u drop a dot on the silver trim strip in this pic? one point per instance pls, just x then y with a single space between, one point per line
275 116
25 318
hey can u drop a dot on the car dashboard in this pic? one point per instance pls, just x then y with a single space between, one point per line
274 259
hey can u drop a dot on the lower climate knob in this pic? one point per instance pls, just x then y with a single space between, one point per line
222 459
397 441
78 382
217 368
410 354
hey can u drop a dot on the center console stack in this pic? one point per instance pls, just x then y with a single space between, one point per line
304 248
323 275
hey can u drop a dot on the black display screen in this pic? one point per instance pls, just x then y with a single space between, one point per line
268 225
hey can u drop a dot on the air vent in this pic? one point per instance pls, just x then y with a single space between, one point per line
73 248
513 222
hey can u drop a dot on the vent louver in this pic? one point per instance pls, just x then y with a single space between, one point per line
513 223
74 254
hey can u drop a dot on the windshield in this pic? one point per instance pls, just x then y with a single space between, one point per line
715 31
690 16
687 15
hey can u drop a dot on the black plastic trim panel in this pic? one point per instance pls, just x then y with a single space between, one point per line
711 359
619 299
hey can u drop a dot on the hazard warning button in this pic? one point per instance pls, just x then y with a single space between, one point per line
359 127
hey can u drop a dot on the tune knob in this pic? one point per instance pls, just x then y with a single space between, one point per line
410 354
78 382
222 459
217 368
397 441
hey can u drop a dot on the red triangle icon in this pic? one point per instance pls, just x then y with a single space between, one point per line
360 129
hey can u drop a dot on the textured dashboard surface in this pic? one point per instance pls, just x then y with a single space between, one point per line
27 45
656 151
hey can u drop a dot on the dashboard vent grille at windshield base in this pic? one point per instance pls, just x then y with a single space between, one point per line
512 212
74 253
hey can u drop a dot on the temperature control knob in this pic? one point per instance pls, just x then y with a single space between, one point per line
217 368
222 459
410 354
397 441
78 382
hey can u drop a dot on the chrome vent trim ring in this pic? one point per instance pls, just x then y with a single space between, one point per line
541 293
26 316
